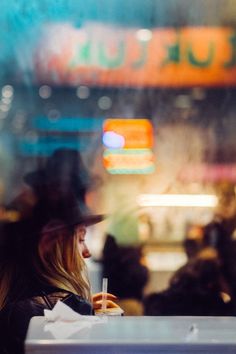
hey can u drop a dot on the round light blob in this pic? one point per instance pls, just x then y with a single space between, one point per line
53 114
144 35
45 91
104 103
113 140
83 92
7 91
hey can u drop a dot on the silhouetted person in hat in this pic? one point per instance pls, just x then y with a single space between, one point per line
42 254
63 176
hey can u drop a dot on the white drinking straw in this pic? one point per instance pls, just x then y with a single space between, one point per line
104 293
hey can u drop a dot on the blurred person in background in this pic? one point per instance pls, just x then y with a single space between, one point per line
193 240
42 257
195 290
219 236
126 273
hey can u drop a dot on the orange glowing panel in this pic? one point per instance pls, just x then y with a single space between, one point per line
129 161
136 133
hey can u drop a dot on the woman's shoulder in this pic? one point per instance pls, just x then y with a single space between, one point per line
78 304
74 301
22 307
15 316
37 303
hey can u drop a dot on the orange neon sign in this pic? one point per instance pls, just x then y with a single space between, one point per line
137 133
109 56
128 146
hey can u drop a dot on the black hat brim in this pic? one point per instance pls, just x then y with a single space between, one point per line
87 220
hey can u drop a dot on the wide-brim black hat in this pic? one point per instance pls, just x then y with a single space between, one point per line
20 237
86 220
66 210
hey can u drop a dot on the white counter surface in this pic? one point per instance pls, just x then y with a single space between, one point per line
180 335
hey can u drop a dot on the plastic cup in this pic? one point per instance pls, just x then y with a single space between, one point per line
113 311
104 310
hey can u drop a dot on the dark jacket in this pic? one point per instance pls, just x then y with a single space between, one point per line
15 317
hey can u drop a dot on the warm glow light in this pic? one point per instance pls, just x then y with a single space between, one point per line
129 161
137 133
144 34
178 200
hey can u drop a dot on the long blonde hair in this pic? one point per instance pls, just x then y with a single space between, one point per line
6 276
62 266
59 264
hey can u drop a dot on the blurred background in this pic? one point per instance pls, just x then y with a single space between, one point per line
145 91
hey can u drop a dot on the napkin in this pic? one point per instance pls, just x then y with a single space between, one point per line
63 322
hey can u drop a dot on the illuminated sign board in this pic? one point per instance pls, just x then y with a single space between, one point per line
72 132
128 146
208 173
136 133
98 54
129 161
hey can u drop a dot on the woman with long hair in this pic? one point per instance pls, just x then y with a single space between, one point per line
42 261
